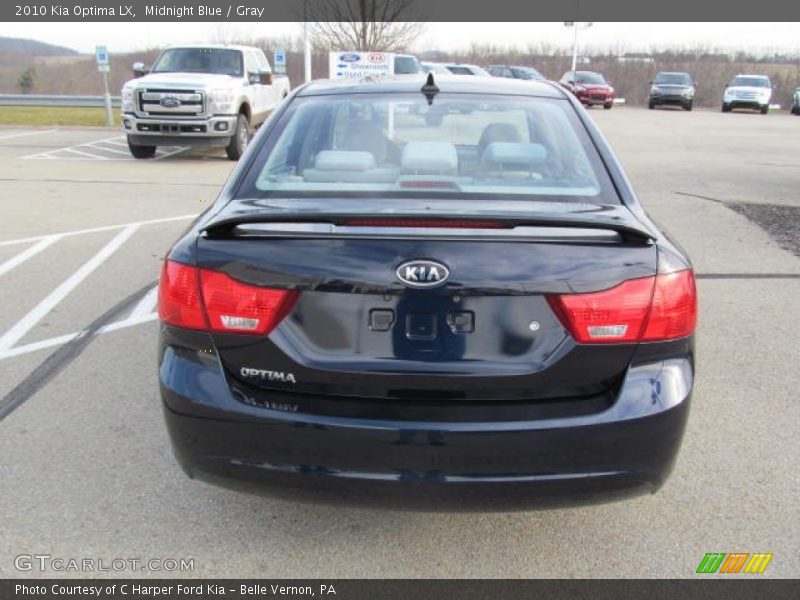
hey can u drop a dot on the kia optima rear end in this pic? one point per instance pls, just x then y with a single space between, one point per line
429 294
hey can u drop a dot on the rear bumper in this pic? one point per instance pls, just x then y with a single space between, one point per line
626 450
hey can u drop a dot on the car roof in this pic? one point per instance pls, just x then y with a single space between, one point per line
453 84
753 76
672 73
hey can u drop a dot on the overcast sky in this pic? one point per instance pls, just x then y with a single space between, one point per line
124 37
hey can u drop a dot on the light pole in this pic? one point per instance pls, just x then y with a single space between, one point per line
576 25
306 44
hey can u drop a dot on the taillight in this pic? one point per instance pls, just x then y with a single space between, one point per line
673 313
204 299
647 309
235 307
179 297
445 223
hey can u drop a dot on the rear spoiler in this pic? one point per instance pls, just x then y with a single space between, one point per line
485 227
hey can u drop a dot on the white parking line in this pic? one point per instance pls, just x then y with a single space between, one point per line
24 325
22 134
36 238
94 151
63 339
28 253
146 305
87 154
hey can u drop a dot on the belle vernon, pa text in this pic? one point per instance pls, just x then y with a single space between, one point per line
205 590
177 11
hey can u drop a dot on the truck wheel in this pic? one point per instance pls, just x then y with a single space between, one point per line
651 105
240 138
141 151
608 105
765 109
726 107
687 106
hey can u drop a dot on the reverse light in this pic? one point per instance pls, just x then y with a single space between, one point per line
649 309
210 300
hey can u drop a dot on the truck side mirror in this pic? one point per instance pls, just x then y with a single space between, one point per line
139 69
266 77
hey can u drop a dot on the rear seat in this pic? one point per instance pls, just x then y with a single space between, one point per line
349 166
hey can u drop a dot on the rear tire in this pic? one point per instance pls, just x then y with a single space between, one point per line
141 151
726 107
796 110
687 106
765 109
608 105
651 105
240 139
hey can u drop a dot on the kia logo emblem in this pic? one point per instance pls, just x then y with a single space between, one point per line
422 273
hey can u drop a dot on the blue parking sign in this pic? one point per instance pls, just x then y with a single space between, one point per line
280 61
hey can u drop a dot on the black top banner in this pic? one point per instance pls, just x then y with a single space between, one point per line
398 10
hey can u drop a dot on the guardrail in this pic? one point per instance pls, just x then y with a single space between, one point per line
56 100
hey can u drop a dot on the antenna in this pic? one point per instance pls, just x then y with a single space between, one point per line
430 89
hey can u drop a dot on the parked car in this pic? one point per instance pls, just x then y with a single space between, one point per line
796 101
433 67
589 87
211 95
676 89
473 311
748 91
514 72
461 69
406 64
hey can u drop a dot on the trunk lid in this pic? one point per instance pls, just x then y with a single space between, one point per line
486 333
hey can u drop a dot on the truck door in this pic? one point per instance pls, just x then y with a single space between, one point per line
253 74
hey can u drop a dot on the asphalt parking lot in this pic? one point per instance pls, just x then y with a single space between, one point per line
85 464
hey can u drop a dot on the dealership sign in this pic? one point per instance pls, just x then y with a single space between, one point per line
358 65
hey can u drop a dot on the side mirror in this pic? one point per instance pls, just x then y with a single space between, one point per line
266 78
727 85
651 82
139 69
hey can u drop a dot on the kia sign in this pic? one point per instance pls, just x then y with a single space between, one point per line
358 65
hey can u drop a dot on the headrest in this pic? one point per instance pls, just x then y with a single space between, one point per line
430 157
344 160
508 155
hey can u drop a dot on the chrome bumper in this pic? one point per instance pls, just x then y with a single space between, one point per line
218 126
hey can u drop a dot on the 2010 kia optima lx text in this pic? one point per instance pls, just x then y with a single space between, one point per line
432 294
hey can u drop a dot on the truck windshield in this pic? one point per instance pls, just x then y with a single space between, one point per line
220 61
462 145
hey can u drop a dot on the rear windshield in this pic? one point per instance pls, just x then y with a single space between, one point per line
673 78
200 60
462 146
751 81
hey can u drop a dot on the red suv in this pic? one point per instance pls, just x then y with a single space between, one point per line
589 87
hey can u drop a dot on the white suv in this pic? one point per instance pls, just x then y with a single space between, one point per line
748 91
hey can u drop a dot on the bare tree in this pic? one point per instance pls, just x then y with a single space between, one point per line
384 25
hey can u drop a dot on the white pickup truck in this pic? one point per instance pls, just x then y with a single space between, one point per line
212 95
